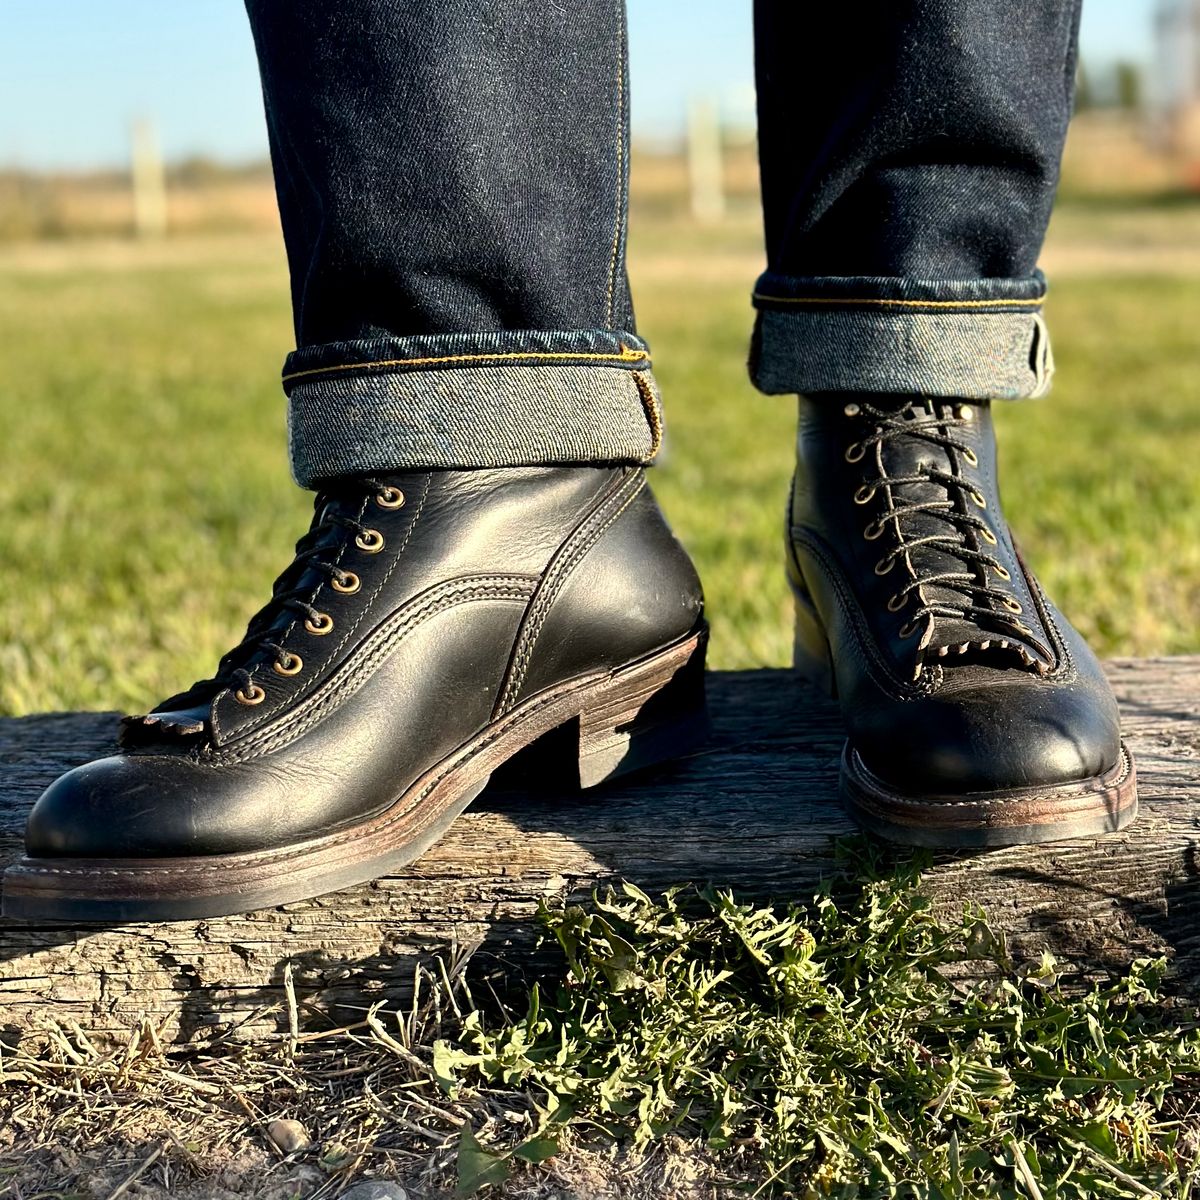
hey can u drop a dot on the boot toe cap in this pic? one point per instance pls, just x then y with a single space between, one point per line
149 806
982 741
104 809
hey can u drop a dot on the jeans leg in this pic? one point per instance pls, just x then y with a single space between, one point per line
910 152
452 180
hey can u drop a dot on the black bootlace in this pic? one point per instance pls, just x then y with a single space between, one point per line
314 552
965 533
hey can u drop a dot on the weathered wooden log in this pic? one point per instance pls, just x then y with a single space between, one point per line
756 811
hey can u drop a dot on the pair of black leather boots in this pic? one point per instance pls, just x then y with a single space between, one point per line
433 624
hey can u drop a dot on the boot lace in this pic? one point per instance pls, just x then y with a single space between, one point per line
319 551
968 589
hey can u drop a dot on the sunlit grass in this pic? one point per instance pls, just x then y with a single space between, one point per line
830 1050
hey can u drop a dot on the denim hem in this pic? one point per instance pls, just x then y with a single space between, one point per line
453 351
470 400
899 293
974 339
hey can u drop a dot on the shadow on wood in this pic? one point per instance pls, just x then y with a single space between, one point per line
756 811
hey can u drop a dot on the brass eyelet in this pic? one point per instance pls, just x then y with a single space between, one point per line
980 499
1013 606
966 413
864 494
891 562
852 410
319 625
988 536
855 452
250 696
370 541
1003 572
348 585
293 667
908 629
971 457
873 531
390 497
896 603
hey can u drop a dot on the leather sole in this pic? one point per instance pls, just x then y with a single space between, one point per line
640 715
1017 817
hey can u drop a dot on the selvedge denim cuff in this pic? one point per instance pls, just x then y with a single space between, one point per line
978 339
510 398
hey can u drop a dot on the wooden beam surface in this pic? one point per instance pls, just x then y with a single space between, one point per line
757 811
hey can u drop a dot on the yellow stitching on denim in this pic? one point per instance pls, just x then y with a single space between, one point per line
653 412
616 242
627 355
1034 303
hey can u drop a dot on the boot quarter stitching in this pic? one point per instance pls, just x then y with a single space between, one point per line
556 578
890 683
256 720
412 525
1064 670
350 676
557 574
1066 663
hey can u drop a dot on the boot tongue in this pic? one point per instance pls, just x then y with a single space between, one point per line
949 640
956 642
181 724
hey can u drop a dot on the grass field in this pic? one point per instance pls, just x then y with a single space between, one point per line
146 509
146 503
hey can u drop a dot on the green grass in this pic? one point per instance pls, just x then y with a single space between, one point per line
688 1046
146 504
826 1050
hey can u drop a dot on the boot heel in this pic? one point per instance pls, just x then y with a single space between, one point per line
811 657
646 714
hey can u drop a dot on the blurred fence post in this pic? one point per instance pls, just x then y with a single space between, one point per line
149 182
706 175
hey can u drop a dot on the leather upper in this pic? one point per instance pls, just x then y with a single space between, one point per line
489 586
937 701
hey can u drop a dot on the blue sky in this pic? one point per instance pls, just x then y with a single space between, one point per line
73 73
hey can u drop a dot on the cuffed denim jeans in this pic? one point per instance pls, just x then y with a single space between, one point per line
453 183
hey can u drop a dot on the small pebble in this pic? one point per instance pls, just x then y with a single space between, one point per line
375 1190
289 1136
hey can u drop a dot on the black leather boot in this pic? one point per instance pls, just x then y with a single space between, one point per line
431 626
976 715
